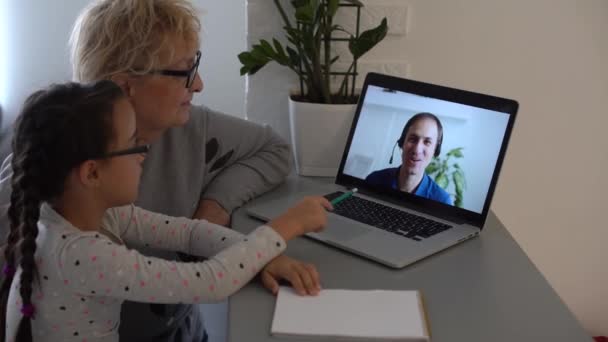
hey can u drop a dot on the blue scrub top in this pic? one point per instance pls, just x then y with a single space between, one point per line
427 187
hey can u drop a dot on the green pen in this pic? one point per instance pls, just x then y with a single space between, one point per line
343 196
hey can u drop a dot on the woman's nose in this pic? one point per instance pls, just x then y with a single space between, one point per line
197 85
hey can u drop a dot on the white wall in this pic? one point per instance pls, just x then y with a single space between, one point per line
33 45
3 44
223 38
35 51
550 55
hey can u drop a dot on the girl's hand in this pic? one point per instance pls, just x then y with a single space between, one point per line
308 215
303 277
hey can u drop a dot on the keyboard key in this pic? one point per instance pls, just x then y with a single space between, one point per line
387 218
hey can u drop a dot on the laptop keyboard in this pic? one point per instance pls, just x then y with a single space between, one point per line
387 218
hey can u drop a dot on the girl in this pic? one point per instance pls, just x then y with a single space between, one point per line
76 160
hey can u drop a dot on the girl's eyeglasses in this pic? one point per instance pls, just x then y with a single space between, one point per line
141 149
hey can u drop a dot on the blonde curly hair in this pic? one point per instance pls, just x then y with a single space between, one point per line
114 36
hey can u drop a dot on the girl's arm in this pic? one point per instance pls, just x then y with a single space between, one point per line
141 228
93 265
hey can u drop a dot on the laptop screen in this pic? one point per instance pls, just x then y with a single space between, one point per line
432 148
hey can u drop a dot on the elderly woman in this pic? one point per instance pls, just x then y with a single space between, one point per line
202 163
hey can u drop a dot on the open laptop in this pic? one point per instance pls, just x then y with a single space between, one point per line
421 188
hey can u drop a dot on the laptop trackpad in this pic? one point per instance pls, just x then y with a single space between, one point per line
340 229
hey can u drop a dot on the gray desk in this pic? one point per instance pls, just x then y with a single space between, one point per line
485 289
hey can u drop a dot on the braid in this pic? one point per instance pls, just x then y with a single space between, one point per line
29 230
14 214
13 237
24 215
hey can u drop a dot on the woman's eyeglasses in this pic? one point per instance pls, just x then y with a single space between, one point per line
141 149
189 74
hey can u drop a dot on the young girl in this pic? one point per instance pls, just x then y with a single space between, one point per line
76 160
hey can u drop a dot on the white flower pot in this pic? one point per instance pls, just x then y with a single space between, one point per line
318 136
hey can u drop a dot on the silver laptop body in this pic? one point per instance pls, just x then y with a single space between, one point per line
393 248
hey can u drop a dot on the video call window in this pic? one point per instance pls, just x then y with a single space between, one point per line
432 148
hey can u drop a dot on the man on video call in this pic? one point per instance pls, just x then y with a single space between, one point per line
420 141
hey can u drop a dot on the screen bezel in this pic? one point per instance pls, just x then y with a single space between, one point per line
411 201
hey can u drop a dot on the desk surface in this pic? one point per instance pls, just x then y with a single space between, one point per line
485 289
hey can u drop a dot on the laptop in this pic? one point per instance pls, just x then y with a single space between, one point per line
425 160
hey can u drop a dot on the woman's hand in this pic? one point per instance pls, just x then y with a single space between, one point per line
211 211
303 277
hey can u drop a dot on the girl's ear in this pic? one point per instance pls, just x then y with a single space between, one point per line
88 173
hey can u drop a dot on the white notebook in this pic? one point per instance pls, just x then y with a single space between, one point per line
372 315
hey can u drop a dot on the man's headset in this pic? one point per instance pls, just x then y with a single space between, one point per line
413 120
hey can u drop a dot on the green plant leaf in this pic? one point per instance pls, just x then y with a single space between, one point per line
294 36
442 180
458 201
307 12
299 3
245 58
281 56
432 167
267 48
332 7
456 152
458 178
251 70
367 40
293 57
459 198
277 45
259 55
251 64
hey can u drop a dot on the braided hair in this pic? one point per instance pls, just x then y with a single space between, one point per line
59 128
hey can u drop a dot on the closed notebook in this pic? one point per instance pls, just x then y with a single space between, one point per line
366 315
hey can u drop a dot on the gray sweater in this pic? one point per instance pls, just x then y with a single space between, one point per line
214 156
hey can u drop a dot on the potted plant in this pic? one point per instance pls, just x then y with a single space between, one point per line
321 110
443 171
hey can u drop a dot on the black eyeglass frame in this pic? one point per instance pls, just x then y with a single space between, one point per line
189 74
141 149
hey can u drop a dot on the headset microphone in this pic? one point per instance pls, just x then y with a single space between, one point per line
390 161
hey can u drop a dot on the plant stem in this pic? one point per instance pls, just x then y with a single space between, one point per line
318 31
354 78
327 48
345 81
318 76
301 53
355 60
282 12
